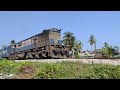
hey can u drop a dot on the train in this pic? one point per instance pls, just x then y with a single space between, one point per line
43 45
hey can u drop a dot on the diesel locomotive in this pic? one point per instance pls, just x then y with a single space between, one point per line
43 45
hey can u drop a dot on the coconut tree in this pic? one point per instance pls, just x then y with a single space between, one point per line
92 41
110 51
116 49
79 45
69 41
4 46
113 52
72 42
95 44
12 43
105 44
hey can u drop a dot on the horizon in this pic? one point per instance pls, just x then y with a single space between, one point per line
20 25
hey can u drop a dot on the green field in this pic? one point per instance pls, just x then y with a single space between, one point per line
59 70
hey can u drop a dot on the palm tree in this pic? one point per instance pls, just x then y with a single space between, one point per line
69 40
95 44
116 49
110 51
79 45
77 48
12 43
4 46
71 43
105 44
92 41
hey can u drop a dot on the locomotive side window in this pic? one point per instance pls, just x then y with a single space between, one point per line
35 40
19 44
14 46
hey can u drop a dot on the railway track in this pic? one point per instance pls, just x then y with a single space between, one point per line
88 61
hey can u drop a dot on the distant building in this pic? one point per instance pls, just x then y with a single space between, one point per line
117 54
97 51
87 54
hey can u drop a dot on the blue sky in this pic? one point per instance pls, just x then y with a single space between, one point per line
19 25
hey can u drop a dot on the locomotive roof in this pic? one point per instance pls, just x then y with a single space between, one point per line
44 32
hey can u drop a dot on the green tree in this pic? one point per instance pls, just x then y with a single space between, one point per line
92 41
12 43
108 50
111 51
4 46
78 47
116 49
105 44
69 40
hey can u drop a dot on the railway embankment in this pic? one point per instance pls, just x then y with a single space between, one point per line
88 61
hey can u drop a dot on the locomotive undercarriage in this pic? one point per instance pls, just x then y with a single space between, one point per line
38 53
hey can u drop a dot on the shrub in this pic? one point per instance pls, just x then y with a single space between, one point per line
77 55
59 70
8 66
48 70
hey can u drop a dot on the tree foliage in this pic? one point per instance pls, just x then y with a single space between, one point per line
12 42
109 51
4 46
116 49
73 45
92 41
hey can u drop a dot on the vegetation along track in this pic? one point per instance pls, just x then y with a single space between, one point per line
88 61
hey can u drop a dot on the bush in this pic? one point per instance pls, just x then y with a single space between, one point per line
48 71
7 66
59 70
77 55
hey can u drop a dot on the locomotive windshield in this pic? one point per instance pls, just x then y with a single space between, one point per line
56 30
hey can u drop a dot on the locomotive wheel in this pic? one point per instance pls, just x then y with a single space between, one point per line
40 56
33 56
49 57
55 52
37 56
62 53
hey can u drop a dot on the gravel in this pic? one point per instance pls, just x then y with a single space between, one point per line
88 61
6 76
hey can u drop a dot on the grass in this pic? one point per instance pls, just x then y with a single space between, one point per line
59 70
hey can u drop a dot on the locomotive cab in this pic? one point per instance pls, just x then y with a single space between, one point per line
56 46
